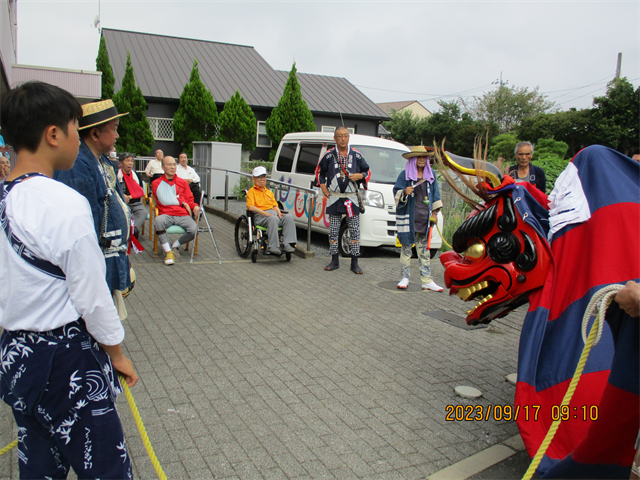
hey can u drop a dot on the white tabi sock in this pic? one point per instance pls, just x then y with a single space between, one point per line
166 247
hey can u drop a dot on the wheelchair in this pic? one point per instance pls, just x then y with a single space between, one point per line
252 238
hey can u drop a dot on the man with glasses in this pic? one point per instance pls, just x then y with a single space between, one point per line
339 174
175 207
524 172
261 201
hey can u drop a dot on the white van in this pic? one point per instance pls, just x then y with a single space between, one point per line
296 161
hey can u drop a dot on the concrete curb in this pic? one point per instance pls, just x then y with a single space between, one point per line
480 461
301 251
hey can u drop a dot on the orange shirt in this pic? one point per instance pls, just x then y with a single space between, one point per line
261 197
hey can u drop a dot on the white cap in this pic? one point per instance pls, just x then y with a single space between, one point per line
259 171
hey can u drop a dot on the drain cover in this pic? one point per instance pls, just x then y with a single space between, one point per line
453 320
413 287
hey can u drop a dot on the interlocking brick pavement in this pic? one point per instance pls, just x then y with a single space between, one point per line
283 370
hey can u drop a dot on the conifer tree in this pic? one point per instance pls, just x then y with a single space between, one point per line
197 116
291 114
135 133
238 123
103 65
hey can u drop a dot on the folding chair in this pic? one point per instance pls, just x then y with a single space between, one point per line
173 229
201 214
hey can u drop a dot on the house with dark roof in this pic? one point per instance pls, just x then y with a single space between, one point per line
162 66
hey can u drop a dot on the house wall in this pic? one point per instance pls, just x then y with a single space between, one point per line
418 110
162 108
359 125
8 42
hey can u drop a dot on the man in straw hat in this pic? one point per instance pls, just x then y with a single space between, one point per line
418 196
339 174
94 177
61 333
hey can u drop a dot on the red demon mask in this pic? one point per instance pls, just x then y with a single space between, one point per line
498 260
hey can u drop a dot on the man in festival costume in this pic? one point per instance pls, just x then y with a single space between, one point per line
61 339
419 201
94 177
339 174
519 248
175 207
525 171
132 191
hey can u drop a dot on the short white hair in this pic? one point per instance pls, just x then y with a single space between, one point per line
522 144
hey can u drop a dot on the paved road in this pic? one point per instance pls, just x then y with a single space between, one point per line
282 370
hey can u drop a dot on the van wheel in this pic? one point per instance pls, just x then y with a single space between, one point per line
344 240
433 252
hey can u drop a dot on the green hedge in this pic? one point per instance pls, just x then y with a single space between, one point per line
245 182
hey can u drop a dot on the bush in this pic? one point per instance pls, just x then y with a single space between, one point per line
245 182
553 167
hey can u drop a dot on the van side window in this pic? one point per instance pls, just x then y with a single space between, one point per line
308 158
285 160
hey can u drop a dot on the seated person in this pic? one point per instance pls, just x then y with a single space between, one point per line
132 190
154 167
187 173
5 167
261 201
175 207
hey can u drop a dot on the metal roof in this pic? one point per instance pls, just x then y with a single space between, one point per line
325 94
162 66
83 84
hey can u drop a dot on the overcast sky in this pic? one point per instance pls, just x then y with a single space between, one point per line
392 51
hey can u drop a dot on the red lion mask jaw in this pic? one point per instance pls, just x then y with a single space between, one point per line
499 259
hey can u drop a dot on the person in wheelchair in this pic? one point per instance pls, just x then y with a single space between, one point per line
262 203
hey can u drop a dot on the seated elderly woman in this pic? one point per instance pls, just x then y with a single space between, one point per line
132 189
5 167
260 200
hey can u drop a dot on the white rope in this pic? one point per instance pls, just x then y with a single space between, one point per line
599 301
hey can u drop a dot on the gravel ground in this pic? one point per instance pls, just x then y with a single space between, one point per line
319 241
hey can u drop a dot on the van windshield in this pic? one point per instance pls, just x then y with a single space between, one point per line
385 163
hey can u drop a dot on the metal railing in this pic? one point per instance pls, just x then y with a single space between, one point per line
311 198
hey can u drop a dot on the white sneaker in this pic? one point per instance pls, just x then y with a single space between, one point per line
403 284
432 286
288 249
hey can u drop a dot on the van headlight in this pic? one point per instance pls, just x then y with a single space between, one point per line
373 199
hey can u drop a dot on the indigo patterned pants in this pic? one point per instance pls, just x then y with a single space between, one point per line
424 258
353 224
61 387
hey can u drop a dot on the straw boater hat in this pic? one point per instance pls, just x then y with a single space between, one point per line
420 151
98 112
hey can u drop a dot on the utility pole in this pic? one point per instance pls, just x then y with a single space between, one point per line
500 82
619 65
